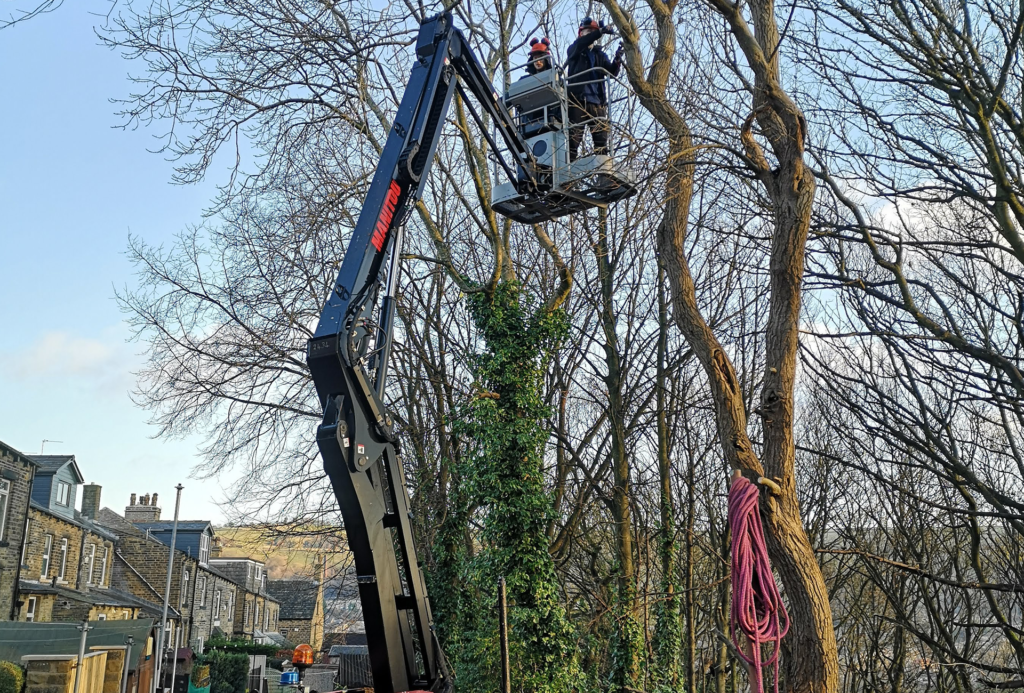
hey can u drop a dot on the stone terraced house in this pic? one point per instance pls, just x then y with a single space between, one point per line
256 610
302 609
59 563
202 599
67 557
16 472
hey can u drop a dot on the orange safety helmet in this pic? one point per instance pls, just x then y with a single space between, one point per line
539 49
588 23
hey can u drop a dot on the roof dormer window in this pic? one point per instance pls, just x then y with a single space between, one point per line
204 548
63 493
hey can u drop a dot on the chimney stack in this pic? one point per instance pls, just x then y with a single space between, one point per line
216 548
320 568
91 500
142 510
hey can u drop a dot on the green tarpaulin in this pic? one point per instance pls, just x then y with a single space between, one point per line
20 638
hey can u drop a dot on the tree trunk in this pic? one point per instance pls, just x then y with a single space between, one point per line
790 186
667 627
628 658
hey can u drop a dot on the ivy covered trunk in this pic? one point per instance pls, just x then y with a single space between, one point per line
504 424
668 627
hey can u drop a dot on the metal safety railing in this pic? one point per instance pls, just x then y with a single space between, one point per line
563 83
608 79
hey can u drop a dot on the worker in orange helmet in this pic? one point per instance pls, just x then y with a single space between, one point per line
540 56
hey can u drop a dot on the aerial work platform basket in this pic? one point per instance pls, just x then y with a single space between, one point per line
541 107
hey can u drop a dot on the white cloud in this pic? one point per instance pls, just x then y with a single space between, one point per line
61 354
99 364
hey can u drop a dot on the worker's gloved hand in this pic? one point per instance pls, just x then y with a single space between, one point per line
618 54
608 29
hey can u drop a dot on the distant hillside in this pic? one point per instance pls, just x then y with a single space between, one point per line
289 552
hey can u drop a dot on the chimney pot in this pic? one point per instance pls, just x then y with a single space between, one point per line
142 509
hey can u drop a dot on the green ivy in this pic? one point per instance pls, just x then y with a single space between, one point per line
450 593
629 655
504 426
241 645
668 626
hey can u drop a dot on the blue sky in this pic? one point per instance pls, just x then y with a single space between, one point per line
72 187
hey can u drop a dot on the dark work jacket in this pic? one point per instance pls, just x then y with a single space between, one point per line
583 56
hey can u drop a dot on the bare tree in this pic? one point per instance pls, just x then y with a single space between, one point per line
922 166
20 15
790 188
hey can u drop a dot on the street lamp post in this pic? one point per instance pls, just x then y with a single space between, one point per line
79 670
167 593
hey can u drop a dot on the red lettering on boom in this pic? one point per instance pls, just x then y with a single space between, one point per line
380 231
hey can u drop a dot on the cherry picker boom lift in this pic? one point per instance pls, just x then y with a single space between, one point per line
348 354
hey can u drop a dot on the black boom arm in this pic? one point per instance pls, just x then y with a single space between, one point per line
348 359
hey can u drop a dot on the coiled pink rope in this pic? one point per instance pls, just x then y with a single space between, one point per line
757 609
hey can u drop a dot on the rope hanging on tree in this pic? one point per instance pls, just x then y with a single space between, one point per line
757 609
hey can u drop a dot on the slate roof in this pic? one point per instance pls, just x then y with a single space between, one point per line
144 604
18 453
107 597
297 597
332 639
219 574
338 650
80 520
51 464
168 525
110 519
279 640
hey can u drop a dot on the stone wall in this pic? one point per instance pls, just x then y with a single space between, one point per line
17 470
44 607
298 632
40 525
143 572
99 549
114 613
244 613
204 617
56 673
49 673
269 613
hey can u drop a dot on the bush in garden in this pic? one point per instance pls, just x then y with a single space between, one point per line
12 677
229 671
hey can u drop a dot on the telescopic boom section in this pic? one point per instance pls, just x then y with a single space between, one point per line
348 359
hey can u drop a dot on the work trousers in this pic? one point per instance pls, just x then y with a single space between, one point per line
599 127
